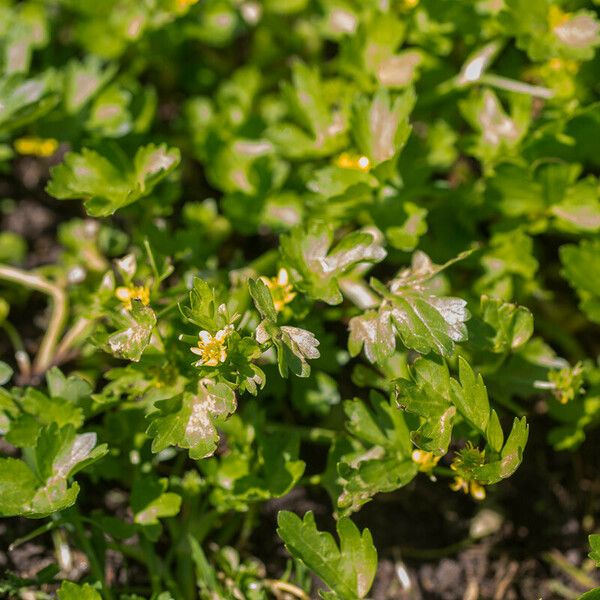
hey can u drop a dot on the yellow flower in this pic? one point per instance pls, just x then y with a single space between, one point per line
474 488
560 64
127 294
281 289
425 460
353 161
556 16
35 146
182 5
409 3
211 348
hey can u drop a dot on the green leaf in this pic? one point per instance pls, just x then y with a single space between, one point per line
135 331
150 501
510 456
73 591
18 484
405 237
269 468
581 267
502 326
470 396
189 420
435 396
319 128
83 80
383 463
380 126
6 373
594 541
363 479
494 433
204 309
108 184
294 347
315 266
72 388
262 299
383 426
348 570
42 488
423 321
374 332
575 36
25 100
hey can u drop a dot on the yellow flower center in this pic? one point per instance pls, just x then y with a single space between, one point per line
281 289
129 293
35 146
353 161
425 460
212 349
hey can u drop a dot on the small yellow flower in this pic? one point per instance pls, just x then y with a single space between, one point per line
127 294
460 484
211 348
183 5
281 289
353 161
556 16
409 3
35 146
425 460
561 64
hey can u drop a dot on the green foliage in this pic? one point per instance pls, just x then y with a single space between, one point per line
352 246
108 184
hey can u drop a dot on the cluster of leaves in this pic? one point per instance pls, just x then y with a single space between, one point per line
283 205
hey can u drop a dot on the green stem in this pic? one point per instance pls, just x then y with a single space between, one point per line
577 575
86 546
45 354
21 356
433 553
36 532
319 435
75 333
151 564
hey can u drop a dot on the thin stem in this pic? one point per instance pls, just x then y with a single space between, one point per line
87 547
288 588
577 575
64 558
318 435
151 564
45 528
77 331
45 354
21 357
433 553
512 85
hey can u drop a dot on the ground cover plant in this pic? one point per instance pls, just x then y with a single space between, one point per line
299 298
